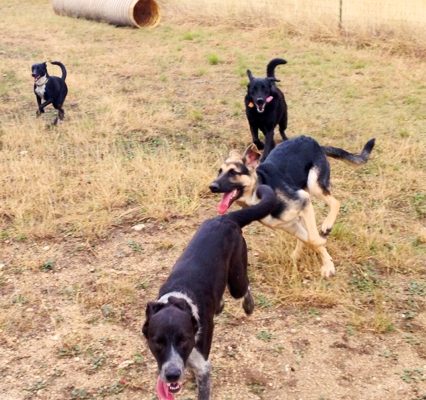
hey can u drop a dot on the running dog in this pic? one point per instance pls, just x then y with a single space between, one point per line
49 89
179 324
295 169
266 107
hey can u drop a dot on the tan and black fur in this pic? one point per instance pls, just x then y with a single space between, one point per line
296 169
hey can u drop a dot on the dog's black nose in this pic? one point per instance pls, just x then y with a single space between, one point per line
260 101
172 374
214 187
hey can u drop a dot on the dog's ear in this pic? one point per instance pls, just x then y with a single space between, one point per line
234 155
180 303
251 157
151 308
272 80
250 75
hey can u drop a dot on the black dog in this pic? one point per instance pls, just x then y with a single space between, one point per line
295 169
179 325
266 107
49 89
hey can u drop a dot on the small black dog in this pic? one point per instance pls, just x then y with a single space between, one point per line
179 325
266 107
49 89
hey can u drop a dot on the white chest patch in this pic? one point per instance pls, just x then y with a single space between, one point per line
40 90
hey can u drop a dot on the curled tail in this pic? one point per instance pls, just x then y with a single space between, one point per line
270 68
62 66
344 155
261 210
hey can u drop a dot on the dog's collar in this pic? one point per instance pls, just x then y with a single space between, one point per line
41 81
194 309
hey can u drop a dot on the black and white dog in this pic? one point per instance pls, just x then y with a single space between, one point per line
49 89
266 107
179 324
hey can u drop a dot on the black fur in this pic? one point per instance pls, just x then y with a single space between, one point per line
358 159
216 257
55 89
262 114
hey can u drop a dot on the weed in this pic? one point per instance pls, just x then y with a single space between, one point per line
265 336
36 386
417 288
419 203
47 266
263 302
135 246
80 394
213 59
413 375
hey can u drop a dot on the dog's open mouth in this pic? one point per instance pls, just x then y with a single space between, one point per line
260 108
227 200
36 77
166 391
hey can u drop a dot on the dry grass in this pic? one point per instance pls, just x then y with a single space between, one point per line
149 117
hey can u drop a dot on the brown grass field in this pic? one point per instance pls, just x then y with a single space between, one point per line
149 117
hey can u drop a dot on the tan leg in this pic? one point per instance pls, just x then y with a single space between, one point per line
329 221
327 268
334 204
297 229
308 217
297 252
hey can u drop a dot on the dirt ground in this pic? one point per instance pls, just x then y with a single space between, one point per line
79 338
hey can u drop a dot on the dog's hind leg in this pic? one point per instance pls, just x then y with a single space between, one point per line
308 216
319 187
297 252
283 126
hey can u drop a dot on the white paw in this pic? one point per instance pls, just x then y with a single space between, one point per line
328 270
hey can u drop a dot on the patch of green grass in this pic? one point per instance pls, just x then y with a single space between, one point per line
417 288
265 336
47 266
419 203
36 386
365 279
413 375
80 394
135 246
263 302
213 59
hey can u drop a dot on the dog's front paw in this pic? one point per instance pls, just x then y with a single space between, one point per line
326 229
328 270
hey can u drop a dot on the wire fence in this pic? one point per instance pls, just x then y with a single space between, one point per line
343 13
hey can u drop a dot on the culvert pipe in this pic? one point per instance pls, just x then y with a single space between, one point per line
137 13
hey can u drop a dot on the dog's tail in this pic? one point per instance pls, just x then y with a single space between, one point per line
62 66
270 68
344 155
247 215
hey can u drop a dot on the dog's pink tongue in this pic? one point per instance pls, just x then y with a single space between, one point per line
225 203
163 391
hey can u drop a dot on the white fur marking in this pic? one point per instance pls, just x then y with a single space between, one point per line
40 88
180 295
198 364
174 359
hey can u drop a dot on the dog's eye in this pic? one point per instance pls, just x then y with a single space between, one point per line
232 172
220 171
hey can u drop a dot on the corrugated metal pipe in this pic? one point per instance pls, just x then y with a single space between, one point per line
137 13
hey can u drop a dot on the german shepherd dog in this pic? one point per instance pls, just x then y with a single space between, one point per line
179 324
295 169
49 89
266 107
